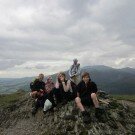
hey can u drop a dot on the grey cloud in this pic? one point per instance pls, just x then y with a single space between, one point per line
96 32
8 63
118 18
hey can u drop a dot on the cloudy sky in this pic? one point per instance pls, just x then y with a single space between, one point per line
45 35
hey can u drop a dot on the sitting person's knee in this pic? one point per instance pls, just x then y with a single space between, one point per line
33 94
77 100
93 95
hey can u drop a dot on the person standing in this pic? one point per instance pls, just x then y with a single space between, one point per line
74 72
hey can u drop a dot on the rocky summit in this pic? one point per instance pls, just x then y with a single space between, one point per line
16 119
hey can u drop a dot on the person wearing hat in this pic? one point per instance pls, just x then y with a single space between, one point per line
74 72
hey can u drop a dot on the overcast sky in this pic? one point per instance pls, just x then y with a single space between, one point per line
43 36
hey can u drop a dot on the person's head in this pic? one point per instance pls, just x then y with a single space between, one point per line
86 77
75 61
49 79
41 77
61 76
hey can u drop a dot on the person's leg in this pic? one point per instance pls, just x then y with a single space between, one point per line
67 96
35 106
57 94
95 100
51 98
33 94
98 111
79 104
72 96
85 114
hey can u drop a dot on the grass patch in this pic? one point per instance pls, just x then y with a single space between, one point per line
7 99
125 97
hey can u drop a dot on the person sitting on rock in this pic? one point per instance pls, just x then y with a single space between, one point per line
49 95
49 85
86 96
37 86
37 92
74 71
65 90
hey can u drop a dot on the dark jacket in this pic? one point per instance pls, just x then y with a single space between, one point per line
37 85
67 95
85 90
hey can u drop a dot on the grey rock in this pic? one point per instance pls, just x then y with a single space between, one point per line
16 119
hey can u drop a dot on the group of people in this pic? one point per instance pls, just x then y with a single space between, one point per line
79 88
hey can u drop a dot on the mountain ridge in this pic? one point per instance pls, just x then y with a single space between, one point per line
117 81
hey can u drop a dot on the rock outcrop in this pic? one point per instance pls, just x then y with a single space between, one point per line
16 119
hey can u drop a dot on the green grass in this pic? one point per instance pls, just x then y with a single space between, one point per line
125 97
7 99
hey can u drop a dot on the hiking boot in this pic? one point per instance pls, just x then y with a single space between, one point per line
34 111
99 113
86 117
34 107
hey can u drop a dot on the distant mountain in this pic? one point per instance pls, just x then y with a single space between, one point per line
9 85
128 70
98 67
116 81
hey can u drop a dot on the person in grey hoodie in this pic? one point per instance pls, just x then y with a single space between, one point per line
75 72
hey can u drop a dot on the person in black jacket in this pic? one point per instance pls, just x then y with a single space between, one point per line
86 96
37 92
37 87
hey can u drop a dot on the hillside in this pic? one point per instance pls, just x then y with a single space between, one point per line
9 85
16 119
